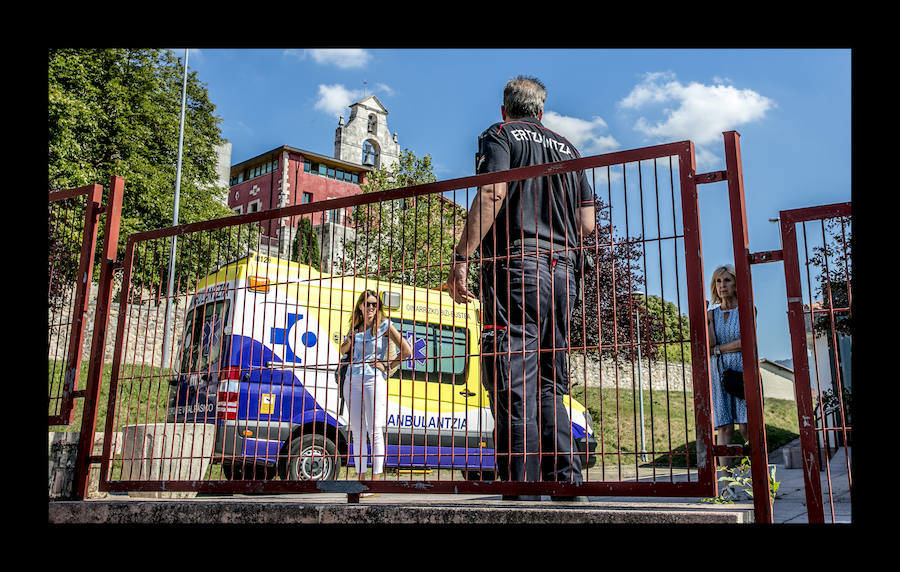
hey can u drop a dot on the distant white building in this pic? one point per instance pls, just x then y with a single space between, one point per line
777 380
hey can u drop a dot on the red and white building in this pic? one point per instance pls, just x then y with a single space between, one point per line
287 176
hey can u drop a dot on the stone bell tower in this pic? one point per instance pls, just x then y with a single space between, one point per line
365 138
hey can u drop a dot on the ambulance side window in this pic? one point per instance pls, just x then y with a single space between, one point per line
439 353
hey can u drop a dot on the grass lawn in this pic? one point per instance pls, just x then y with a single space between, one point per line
143 395
669 425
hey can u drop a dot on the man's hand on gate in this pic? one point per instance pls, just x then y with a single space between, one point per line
456 284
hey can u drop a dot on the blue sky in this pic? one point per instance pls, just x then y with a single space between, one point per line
792 108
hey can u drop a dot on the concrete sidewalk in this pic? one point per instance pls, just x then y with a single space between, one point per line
790 500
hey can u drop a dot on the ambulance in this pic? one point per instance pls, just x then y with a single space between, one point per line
258 358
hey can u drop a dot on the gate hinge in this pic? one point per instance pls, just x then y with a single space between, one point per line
768 256
714 177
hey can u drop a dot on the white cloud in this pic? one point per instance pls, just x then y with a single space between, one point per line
342 58
334 99
695 111
384 88
585 135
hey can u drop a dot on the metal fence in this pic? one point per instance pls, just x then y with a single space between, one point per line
72 233
818 275
224 378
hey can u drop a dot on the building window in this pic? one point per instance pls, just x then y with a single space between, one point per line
254 207
330 172
238 209
307 198
373 124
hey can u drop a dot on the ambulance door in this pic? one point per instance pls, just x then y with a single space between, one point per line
433 414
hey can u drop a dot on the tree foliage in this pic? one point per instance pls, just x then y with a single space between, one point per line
607 311
305 248
833 265
669 330
117 112
409 241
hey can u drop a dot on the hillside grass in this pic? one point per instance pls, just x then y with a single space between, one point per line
143 395
669 425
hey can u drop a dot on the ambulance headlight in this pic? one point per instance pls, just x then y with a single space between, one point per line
390 300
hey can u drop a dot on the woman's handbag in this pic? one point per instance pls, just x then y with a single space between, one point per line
340 374
732 381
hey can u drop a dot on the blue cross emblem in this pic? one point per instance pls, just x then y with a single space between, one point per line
418 350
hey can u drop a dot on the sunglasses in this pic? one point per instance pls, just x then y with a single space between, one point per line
372 305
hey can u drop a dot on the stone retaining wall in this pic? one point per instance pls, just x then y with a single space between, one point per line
607 373
145 324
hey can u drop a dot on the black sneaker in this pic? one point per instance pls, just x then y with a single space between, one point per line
579 498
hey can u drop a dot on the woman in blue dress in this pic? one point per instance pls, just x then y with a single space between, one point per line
724 335
365 388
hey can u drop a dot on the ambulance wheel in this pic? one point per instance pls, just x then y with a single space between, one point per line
312 458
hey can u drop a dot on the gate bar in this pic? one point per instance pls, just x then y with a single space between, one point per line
759 464
98 343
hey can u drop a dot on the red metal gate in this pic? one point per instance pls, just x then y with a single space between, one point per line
648 217
72 233
818 276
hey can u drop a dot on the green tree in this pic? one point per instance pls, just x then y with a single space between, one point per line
305 249
411 240
832 264
669 337
117 112
606 313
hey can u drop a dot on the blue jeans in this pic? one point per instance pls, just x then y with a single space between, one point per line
528 303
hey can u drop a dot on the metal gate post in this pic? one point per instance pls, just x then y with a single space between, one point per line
759 464
98 344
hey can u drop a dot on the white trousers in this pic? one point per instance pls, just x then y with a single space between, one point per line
366 399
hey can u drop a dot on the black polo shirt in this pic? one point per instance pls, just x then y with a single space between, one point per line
542 208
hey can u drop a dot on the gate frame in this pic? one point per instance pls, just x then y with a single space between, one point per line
91 395
743 259
803 394
94 195
705 485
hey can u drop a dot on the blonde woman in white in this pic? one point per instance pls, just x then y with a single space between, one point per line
365 387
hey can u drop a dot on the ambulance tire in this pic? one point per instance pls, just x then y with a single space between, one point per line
313 457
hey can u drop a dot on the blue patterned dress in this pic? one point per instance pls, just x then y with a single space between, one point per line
727 409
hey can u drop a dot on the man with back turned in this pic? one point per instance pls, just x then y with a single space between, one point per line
526 232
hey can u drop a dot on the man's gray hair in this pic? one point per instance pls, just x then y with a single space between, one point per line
524 96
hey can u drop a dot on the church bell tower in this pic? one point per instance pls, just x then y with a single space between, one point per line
365 138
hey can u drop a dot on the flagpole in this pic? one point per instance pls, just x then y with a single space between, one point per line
169 292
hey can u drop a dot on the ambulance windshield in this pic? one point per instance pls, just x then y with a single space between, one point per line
202 346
